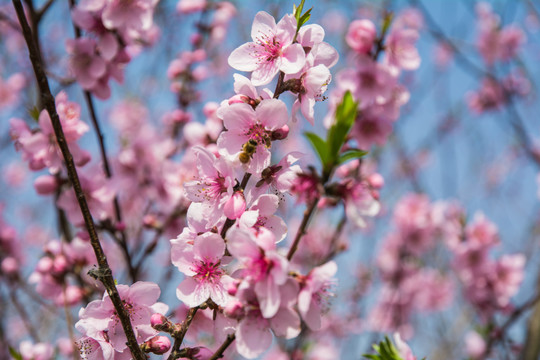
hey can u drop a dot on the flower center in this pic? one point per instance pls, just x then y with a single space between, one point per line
267 48
213 187
208 272
259 134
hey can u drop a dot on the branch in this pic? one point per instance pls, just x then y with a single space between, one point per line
303 227
179 337
219 352
104 271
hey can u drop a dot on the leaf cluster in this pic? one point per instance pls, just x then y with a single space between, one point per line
329 150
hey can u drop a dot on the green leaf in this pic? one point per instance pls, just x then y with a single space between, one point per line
351 154
345 116
319 145
34 113
297 10
14 354
386 351
304 18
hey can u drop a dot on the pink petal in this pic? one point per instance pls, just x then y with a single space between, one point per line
191 293
286 323
242 58
293 60
209 246
253 337
272 113
269 297
264 24
265 72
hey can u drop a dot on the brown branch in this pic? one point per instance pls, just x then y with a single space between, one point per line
179 337
24 316
303 227
104 272
219 352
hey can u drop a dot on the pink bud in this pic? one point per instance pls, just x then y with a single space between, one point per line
238 99
376 180
235 206
280 134
158 319
45 184
361 35
60 264
234 309
44 265
10 265
232 287
73 295
158 345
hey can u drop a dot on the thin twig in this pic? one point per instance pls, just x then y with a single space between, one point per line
303 227
24 316
104 273
179 337
219 352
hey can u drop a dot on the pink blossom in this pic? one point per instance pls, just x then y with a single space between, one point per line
315 293
400 49
280 177
135 15
39 351
368 81
489 97
371 128
40 148
475 346
359 203
253 334
272 49
361 35
261 215
10 89
190 6
262 266
247 125
214 186
201 263
98 320
99 195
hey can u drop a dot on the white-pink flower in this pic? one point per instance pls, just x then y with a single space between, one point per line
315 293
271 51
100 321
262 265
201 263
245 124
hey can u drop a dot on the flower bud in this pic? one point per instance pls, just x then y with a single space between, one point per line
235 206
376 180
60 264
44 265
361 35
280 134
158 319
234 309
45 184
10 265
238 99
157 345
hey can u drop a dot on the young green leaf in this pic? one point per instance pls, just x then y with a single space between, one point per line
14 354
319 145
345 116
297 10
351 154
